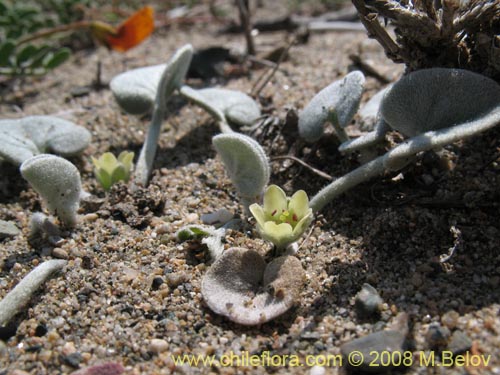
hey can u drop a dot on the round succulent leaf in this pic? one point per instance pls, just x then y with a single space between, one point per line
174 73
33 135
342 97
58 183
241 287
246 163
437 98
239 108
135 90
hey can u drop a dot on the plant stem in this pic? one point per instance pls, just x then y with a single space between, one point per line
398 157
54 30
18 297
341 133
198 99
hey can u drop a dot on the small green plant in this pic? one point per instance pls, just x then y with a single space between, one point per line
16 21
109 169
281 219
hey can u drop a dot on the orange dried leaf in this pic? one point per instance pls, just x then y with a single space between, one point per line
133 30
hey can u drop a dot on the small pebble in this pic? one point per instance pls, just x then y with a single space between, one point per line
459 343
450 319
59 253
217 218
368 302
8 229
158 346
156 283
378 342
177 278
317 370
73 359
111 368
437 336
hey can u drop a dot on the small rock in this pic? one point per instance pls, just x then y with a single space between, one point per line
8 229
156 283
158 346
368 301
19 372
437 336
59 253
450 319
317 370
72 359
360 353
176 279
459 343
217 218
111 368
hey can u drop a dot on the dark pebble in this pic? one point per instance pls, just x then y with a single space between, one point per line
368 301
157 281
73 359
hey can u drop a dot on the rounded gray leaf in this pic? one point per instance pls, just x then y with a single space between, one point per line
240 286
437 98
341 97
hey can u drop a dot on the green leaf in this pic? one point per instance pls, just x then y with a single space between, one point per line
119 174
37 60
103 177
6 51
58 58
27 53
3 7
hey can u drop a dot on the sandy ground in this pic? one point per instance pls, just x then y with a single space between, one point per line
388 232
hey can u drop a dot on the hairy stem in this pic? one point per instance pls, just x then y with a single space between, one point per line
398 157
18 297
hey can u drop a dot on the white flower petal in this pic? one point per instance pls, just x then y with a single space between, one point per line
279 234
299 204
258 213
274 200
302 225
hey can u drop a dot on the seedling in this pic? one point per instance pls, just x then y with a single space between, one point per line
246 164
23 138
243 288
109 170
336 103
171 79
435 107
58 183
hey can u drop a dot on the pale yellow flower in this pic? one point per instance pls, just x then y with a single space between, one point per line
282 220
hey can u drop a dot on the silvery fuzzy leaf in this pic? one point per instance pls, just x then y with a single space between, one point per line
246 164
135 90
58 183
29 136
437 98
238 107
369 113
342 97
18 298
243 288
